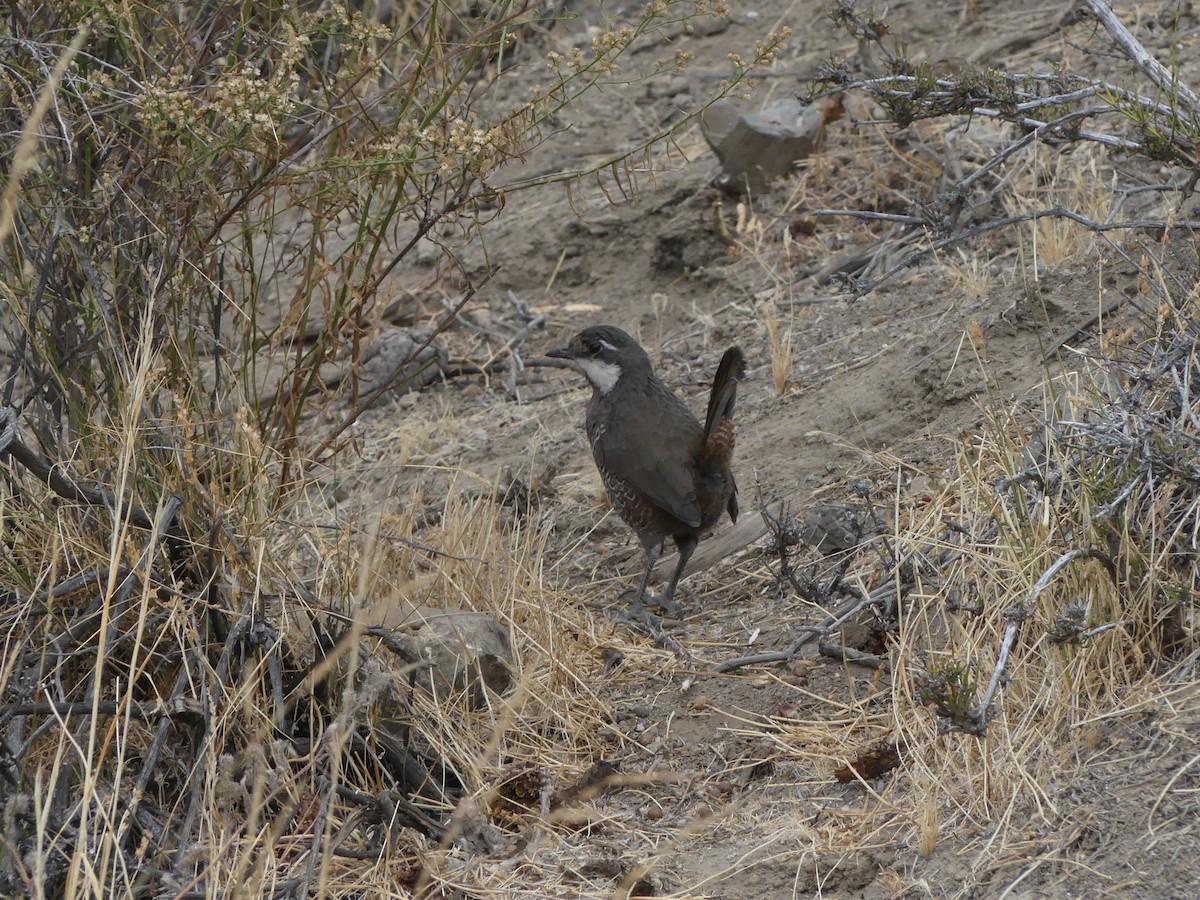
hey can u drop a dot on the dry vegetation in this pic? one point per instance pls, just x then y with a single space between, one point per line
205 209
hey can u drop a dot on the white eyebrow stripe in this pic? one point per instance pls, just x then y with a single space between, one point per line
607 346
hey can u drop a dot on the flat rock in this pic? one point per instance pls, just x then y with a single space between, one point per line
715 548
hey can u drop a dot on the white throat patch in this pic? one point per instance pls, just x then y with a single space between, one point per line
602 375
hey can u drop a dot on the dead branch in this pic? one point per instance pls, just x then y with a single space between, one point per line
1165 80
839 617
57 477
909 92
977 718
181 707
861 289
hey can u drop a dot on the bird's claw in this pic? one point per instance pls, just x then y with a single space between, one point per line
635 614
636 608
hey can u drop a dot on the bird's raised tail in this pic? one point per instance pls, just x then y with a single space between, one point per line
724 390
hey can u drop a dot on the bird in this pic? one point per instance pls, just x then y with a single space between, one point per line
665 474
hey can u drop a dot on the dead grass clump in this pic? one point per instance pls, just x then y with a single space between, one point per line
1041 181
304 751
953 175
1079 571
1048 584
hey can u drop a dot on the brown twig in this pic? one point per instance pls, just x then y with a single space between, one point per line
175 707
844 613
363 405
57 477
1054 212
850 655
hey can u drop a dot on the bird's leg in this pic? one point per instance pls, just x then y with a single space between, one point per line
637 612
686 544
637 603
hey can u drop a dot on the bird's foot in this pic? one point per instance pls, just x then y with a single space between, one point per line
636 607
639 617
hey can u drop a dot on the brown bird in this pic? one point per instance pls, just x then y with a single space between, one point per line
665 474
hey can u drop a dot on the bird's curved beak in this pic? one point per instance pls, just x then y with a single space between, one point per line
567 358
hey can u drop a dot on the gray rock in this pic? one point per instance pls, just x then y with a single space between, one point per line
463 652
756 148
396 357
470 652
426 253
835 527
669 86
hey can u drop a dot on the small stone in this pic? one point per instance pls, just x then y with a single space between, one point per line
756 148
669 86
836 527
426 253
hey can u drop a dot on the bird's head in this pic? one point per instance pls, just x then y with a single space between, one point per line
603 353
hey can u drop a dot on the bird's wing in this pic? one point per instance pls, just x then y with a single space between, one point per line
661 467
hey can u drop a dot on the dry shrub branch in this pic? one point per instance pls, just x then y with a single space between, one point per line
1055 109
204 205
1044 586
1118 477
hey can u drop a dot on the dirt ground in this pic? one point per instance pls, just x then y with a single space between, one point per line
894 375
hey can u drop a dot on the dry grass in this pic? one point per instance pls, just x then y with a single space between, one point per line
192 696
196 697
262 810
970 275
1109 638
1041 181
1102 642
780 343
